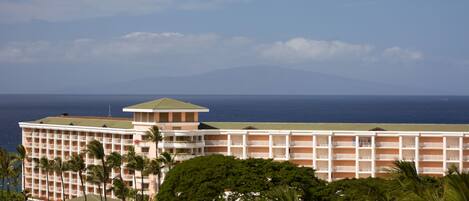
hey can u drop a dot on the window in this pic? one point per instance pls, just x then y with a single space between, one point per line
190 117
145 149
177 128
177 117
164 117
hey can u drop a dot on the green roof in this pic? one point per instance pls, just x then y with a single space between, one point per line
335 126
122 123
166 104
91 198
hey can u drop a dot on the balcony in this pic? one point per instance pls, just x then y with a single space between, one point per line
116 140
344 156
279 143
452 146
236 142
431 157
344 169
436 170
430 145
301 143
301 155
216 142
181 144
258 143
184 156
258 155
387 156
344 144
365 157
387 144
322 144
127 141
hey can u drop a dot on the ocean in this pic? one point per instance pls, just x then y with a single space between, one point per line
380 109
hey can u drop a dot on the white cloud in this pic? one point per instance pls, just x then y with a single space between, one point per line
12 11
400 54
192 50
299 50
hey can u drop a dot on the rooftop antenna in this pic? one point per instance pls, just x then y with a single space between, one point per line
109 111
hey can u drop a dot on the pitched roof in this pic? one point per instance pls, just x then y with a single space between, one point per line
336 126
108 122
165 104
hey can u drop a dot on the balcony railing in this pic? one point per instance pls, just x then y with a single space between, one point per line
387 156
322 144
301 155
344 144
259 142
431 170
344 156
453 146
258 155
388 144
279 143
344 168
431 157
215 142
301 143
431 145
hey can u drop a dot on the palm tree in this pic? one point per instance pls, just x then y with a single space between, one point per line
60 167
405 173
96 150
21 155
120 188
114 160
129 158
457 186
140 165
45 165
96 176
5 162
168 160
154 167
77 164
154 135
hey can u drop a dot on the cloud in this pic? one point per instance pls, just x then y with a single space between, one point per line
400 54
198 50
12 11
299 50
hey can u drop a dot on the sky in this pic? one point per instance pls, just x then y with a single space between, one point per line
47 45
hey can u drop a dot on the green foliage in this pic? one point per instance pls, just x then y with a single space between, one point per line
11 196
208 178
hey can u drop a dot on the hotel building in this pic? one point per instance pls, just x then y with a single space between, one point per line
334 150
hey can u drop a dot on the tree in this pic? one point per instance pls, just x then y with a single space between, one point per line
77 164
96 176
282 193
21 155
154 168
60 167
140 165
46 166
168 160
154 135
457 186
120 188
406 176
96 150
114 160
209 177
130 160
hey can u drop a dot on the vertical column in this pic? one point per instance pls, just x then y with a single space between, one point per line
461 153
244 146
444 156
287 146
228 149
373 155
163 142
329 158
314 152
417 152
400 147
174 142
357 163
271 143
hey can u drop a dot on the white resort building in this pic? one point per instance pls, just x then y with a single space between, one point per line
335 150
